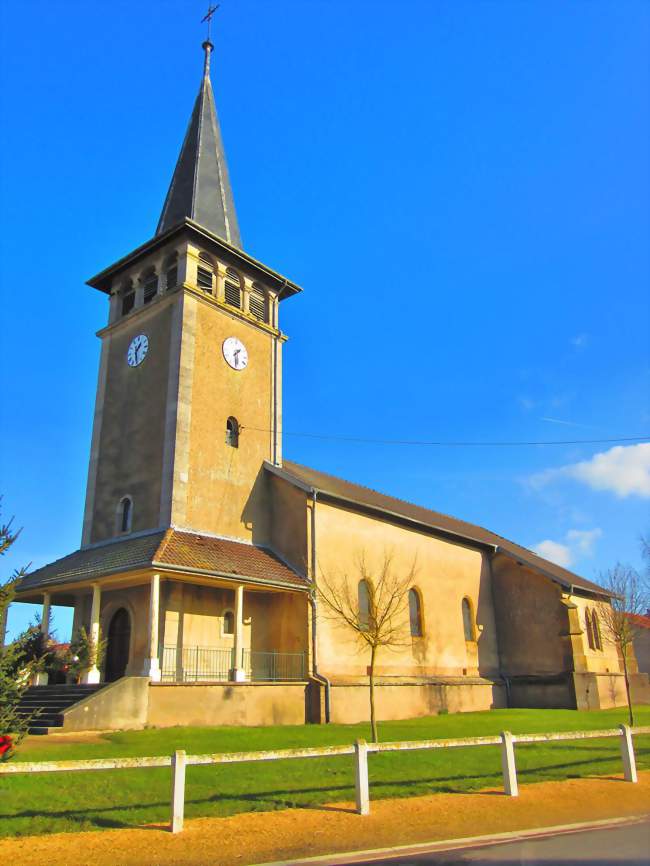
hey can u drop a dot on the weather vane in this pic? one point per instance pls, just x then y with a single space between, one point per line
208 17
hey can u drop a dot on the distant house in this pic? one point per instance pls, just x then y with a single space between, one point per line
642 641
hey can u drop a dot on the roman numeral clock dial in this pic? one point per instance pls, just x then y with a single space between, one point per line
137 351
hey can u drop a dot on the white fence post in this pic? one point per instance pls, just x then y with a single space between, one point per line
361 777
178 791
627 753
508 765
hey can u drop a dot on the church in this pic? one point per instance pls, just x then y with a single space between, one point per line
202 545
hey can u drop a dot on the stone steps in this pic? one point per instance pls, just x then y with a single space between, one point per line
49 702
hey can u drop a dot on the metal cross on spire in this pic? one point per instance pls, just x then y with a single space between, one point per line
208 17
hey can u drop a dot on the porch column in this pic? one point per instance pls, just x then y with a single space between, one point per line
45 616
152 664
41 678
238 672
92 675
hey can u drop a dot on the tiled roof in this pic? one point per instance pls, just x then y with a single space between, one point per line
639 620
207 553
170 549
115 556
365 496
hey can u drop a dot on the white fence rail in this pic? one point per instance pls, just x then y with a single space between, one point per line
180 760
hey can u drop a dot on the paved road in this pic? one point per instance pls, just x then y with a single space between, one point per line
629 845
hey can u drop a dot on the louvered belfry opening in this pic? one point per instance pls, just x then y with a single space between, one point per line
233 288
171 272
257 303
128 298
205 273
150 286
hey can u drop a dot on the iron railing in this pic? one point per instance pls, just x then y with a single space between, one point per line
215 664
196 664
274 666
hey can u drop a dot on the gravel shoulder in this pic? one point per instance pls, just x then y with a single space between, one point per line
250 838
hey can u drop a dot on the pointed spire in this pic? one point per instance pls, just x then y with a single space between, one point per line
200 187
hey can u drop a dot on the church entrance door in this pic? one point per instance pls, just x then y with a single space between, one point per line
117 650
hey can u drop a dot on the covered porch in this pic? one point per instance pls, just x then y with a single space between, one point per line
239 633
180 629
186 609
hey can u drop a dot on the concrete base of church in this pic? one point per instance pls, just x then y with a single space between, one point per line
121 705
227 704
640 688
601 691
586 690
407 700
136 702
542 692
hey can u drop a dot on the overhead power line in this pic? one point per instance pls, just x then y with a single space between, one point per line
452 443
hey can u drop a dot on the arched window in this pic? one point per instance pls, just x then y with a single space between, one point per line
590 631
171 272
204 273
257 303
415 613
232 432
363 596
595 625
468 620
125 514
150 286
128 297
232 288
228 622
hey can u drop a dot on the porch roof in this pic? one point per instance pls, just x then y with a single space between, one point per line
170 550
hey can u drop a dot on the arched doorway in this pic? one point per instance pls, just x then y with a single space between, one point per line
117 649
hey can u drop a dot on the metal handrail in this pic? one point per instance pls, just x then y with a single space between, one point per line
274 666
215 664
196 664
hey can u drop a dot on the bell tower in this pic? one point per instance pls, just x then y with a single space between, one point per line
189 395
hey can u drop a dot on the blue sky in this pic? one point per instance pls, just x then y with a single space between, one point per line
460 186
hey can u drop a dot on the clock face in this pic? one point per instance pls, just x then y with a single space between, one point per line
235 353
137 351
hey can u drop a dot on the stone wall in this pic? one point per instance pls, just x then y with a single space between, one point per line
227 704
444 574
131 440
122 705
349 703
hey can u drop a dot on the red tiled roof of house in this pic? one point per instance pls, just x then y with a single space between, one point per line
639 620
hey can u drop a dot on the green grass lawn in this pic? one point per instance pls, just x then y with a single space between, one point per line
63 802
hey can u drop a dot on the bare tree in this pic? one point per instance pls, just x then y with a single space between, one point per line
618 616
645 553
380 621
